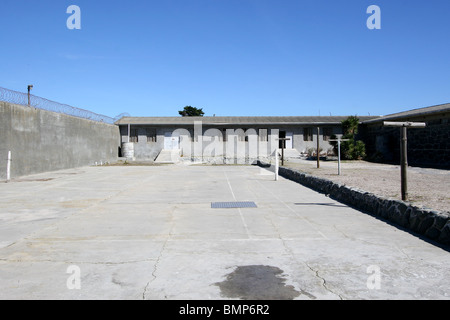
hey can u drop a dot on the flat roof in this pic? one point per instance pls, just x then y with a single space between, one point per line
236 120
442 108
273 120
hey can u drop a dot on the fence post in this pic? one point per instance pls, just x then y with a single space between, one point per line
29 96
404 151
318 147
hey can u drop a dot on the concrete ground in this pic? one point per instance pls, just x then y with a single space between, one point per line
149 232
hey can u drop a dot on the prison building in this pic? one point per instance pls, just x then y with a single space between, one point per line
427 147
227 139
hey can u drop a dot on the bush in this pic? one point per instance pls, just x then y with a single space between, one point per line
351 149
354 150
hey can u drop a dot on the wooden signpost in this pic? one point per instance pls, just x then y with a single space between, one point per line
404 151
283 145
318 147
282 156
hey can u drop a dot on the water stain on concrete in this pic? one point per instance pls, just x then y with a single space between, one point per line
257 282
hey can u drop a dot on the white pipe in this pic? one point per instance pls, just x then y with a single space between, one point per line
8 167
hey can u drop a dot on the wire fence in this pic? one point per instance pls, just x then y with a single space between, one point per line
30 100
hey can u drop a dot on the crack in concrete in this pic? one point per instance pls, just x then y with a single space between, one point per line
155 268
324 282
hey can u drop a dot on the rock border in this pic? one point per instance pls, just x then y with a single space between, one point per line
432 224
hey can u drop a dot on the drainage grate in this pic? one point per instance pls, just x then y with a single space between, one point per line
247 204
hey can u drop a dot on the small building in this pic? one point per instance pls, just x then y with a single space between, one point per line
227 139
427 147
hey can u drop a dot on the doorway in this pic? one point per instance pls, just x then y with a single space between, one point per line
171 143
287 143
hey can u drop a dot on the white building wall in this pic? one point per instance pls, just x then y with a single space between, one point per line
221 145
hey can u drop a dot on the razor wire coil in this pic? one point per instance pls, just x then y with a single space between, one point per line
29 100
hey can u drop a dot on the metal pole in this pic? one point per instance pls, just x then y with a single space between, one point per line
404 163
129 129
29 96
8 167
339 157
276 164
282 152
318 146
339 140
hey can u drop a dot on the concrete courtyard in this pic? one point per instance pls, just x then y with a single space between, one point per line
149 232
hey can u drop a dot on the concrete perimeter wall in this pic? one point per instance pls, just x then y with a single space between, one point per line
42 141
432 224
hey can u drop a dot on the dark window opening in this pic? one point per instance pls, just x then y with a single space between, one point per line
134 137
263 136
307 134
151 135
327 132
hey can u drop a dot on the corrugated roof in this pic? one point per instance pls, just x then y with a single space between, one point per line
412 113
235 120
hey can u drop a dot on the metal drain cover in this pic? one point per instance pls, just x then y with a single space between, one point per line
245 204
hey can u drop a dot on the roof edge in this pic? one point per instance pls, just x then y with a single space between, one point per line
412 113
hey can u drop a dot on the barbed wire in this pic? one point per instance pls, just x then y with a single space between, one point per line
24 99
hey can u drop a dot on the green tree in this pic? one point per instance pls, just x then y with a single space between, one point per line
352 149
191 112
350 126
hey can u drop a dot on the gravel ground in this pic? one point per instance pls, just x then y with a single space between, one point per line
426 187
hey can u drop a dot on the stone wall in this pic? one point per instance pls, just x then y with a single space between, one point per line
430 223
427 147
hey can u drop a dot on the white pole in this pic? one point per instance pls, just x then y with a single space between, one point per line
339 157
8 167
276 164
339 140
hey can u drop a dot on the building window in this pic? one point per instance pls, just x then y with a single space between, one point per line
327 132
134 135
244 137
151 135
241 134
263 136
307 134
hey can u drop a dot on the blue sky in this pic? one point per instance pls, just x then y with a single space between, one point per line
229 57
